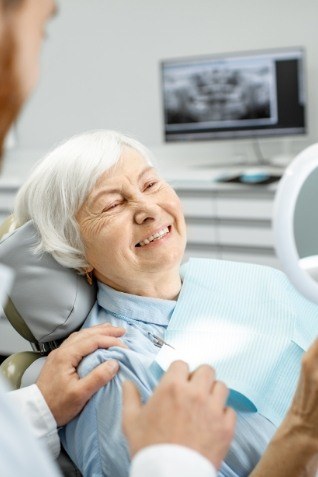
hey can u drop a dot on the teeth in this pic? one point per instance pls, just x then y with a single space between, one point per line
155 236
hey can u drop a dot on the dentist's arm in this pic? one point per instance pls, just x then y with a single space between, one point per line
59 394
293 451
187 412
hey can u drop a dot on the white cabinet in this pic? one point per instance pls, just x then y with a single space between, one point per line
8 192
244 204
198 205
231 222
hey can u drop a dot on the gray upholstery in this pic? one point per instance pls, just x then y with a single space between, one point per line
32 372
52 300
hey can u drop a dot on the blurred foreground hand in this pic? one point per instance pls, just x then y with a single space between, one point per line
188 409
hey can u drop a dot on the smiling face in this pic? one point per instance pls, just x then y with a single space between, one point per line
133 228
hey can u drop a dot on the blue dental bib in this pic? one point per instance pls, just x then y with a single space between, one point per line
250 324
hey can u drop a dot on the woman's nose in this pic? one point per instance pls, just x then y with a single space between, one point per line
145 211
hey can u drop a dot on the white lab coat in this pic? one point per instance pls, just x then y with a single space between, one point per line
28 430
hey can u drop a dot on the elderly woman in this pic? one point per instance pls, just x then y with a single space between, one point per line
102 208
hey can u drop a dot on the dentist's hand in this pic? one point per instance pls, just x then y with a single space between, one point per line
64 392
293 451
185 409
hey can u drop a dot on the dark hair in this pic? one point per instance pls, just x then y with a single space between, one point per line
10 3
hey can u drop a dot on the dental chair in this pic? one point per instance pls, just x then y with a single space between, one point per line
46 304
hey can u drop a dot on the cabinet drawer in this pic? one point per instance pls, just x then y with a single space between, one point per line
201 251
250 256
244 208
255 236
198 206
201 233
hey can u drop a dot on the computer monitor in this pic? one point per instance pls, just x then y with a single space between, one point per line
244 95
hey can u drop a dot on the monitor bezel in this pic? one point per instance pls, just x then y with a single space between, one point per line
239 134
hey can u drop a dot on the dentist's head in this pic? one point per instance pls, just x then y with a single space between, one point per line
22 29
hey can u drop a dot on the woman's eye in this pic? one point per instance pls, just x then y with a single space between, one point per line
111 206
150 184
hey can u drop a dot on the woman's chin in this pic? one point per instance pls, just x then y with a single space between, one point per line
162 260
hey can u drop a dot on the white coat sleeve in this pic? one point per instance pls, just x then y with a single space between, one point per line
170 460
41 421
36 417
21 453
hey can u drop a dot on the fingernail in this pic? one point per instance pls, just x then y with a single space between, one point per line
113 365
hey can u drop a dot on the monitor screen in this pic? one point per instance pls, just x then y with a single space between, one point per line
234 96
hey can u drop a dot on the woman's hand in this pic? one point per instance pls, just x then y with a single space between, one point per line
185 409
64 392
293 451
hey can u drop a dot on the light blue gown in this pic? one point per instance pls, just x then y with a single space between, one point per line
94 440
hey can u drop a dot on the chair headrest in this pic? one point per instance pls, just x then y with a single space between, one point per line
52 300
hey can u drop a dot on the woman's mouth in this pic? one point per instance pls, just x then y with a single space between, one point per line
157 236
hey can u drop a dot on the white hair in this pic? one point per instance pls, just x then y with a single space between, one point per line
60 184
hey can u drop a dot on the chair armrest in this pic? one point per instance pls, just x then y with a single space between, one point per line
15 365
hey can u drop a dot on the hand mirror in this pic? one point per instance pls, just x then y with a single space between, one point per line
295 222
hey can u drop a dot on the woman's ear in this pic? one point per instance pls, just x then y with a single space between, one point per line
89 275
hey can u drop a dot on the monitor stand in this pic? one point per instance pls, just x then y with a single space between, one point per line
279 162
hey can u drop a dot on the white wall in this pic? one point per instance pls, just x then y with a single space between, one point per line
100 68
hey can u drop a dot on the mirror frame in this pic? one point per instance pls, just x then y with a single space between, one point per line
286 197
